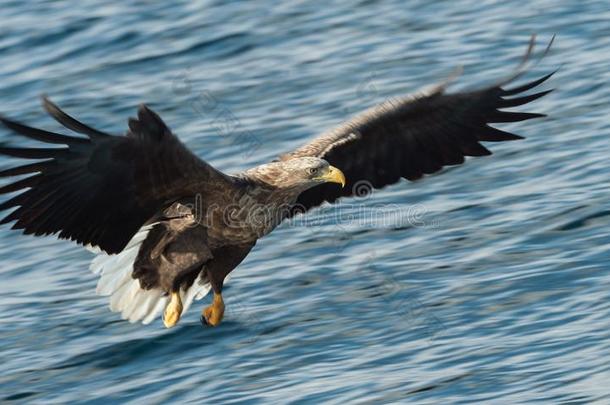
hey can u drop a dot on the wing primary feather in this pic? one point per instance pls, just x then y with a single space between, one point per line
32 153
25 169
69 122
514 102
520 70
527 86
43 199
490 134
15 201
41 135
548 47
11 217
509 116
150 122
135 126
18 185
475 149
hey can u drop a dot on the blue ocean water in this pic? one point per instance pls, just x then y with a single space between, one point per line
494 288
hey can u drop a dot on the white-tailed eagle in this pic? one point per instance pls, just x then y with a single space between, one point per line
169 227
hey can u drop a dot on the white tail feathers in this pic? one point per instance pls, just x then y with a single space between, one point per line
126 296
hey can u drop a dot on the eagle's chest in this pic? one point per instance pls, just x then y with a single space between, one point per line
248 218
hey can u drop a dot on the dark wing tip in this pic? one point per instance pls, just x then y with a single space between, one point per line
32 153
521 67
491 134
20 184
39 134
517 101
147 114
149 122
69 122
528 86
28 168
510 116
144 109
50 107
134 125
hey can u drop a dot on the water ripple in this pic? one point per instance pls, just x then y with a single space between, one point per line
498 293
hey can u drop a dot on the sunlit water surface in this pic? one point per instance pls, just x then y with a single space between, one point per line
494 287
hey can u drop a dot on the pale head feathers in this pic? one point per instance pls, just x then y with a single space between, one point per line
299 173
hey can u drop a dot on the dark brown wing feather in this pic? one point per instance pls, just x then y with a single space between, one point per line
416 135
101 189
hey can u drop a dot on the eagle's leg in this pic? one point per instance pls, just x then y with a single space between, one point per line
173 310
225 260
212 315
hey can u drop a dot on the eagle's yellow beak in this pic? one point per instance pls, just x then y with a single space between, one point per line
333 175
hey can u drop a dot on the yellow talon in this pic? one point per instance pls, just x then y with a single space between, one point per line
173 310
213 314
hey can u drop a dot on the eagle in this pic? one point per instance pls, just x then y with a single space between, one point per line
167 227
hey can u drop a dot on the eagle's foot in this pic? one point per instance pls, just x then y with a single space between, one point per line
173 310
213 314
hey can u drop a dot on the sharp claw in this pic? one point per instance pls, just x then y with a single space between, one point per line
173 311
212 315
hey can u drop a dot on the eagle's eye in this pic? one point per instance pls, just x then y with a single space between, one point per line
313 170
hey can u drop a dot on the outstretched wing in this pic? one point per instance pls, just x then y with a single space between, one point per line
416 135
101 189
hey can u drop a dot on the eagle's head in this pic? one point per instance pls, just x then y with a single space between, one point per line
298 173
